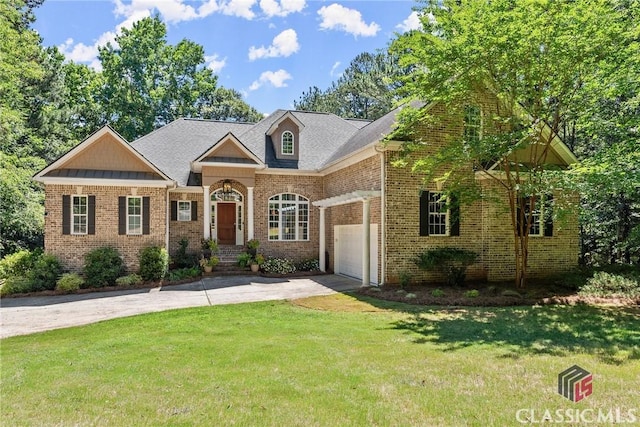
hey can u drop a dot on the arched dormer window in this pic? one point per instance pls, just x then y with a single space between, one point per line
288 217
287 143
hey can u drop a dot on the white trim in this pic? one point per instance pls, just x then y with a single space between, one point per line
323 241
178 213
350 159
239 205
282 171
105 182
293 143
206 212
282 118
297 202
343 199
250 214
383 221
86 215
141 215
196 165
105 130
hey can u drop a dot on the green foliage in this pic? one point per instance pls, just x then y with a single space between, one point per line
437 293
45 272
17 285
278 266
129 280
473 293
244 259
209 262
154 262
452 262
184 259
183 273
102 266
208 245
311 264
19 263
69 282
405 279
604 285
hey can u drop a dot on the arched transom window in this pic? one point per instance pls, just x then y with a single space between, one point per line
288 217
287 142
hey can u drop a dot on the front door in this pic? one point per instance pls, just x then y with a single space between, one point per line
226 223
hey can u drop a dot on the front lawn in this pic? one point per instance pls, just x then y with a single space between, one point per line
321 361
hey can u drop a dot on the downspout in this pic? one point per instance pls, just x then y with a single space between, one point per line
167 217
383 220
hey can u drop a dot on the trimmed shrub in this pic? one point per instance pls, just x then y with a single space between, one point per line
69 282
102 267
604 285
129 280
182 258
244 259
278 266
16 285
437 293
19 263
183 273
452 262
472 293
311 264
154 263
45 272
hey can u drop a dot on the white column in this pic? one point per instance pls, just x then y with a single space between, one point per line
366 242
323 244
250 233
207 212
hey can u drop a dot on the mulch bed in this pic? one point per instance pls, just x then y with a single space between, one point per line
490 295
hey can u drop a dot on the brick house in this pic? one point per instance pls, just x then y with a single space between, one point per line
306 185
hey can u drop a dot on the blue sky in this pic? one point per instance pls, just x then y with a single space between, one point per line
270 50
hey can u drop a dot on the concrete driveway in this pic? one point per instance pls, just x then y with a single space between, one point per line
21 316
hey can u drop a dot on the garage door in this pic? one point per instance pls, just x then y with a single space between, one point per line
348 251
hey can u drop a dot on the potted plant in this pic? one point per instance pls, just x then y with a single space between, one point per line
252 246
209 263
209 247
256 262
244 259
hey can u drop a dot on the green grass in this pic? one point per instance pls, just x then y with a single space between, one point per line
282 364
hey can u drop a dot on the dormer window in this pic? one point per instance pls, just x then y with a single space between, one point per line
287 143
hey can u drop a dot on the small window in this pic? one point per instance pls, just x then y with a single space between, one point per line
79 214
438 214
540 218
184 211
287 143
288 217
472 123
134 215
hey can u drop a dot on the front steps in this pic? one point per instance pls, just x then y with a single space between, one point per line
228 265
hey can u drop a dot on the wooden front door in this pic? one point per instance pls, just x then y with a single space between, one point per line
226 223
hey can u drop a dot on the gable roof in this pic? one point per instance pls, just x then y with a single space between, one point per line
57 170
246 156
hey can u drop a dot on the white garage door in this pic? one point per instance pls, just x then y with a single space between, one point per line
348 251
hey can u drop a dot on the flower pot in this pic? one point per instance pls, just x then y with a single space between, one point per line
255 268
208 269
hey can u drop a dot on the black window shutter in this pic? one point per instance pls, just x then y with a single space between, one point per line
66 214
91 215
174 210
146 215
454 218
424 213
194 211
548 215
122 215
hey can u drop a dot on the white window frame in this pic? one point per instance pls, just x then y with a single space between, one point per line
538 216
80 215
184 211
287 132
129 216
468 125
437 200
276 202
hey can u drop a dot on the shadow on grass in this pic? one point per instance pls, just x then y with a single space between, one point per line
611 333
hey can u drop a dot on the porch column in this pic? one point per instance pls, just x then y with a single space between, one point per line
323 244
206 207
366 242
250 234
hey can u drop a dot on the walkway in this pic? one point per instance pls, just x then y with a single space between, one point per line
21 316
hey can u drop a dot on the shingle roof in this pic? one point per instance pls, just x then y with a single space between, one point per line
324 138
103 174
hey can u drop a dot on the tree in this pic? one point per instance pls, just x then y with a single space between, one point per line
364 91
538 58
148 83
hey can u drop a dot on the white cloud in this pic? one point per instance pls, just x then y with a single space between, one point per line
79 52
241 8
334 68
283 45
172 11
208 8
274 78
338 17
214 63
411 23
284 8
